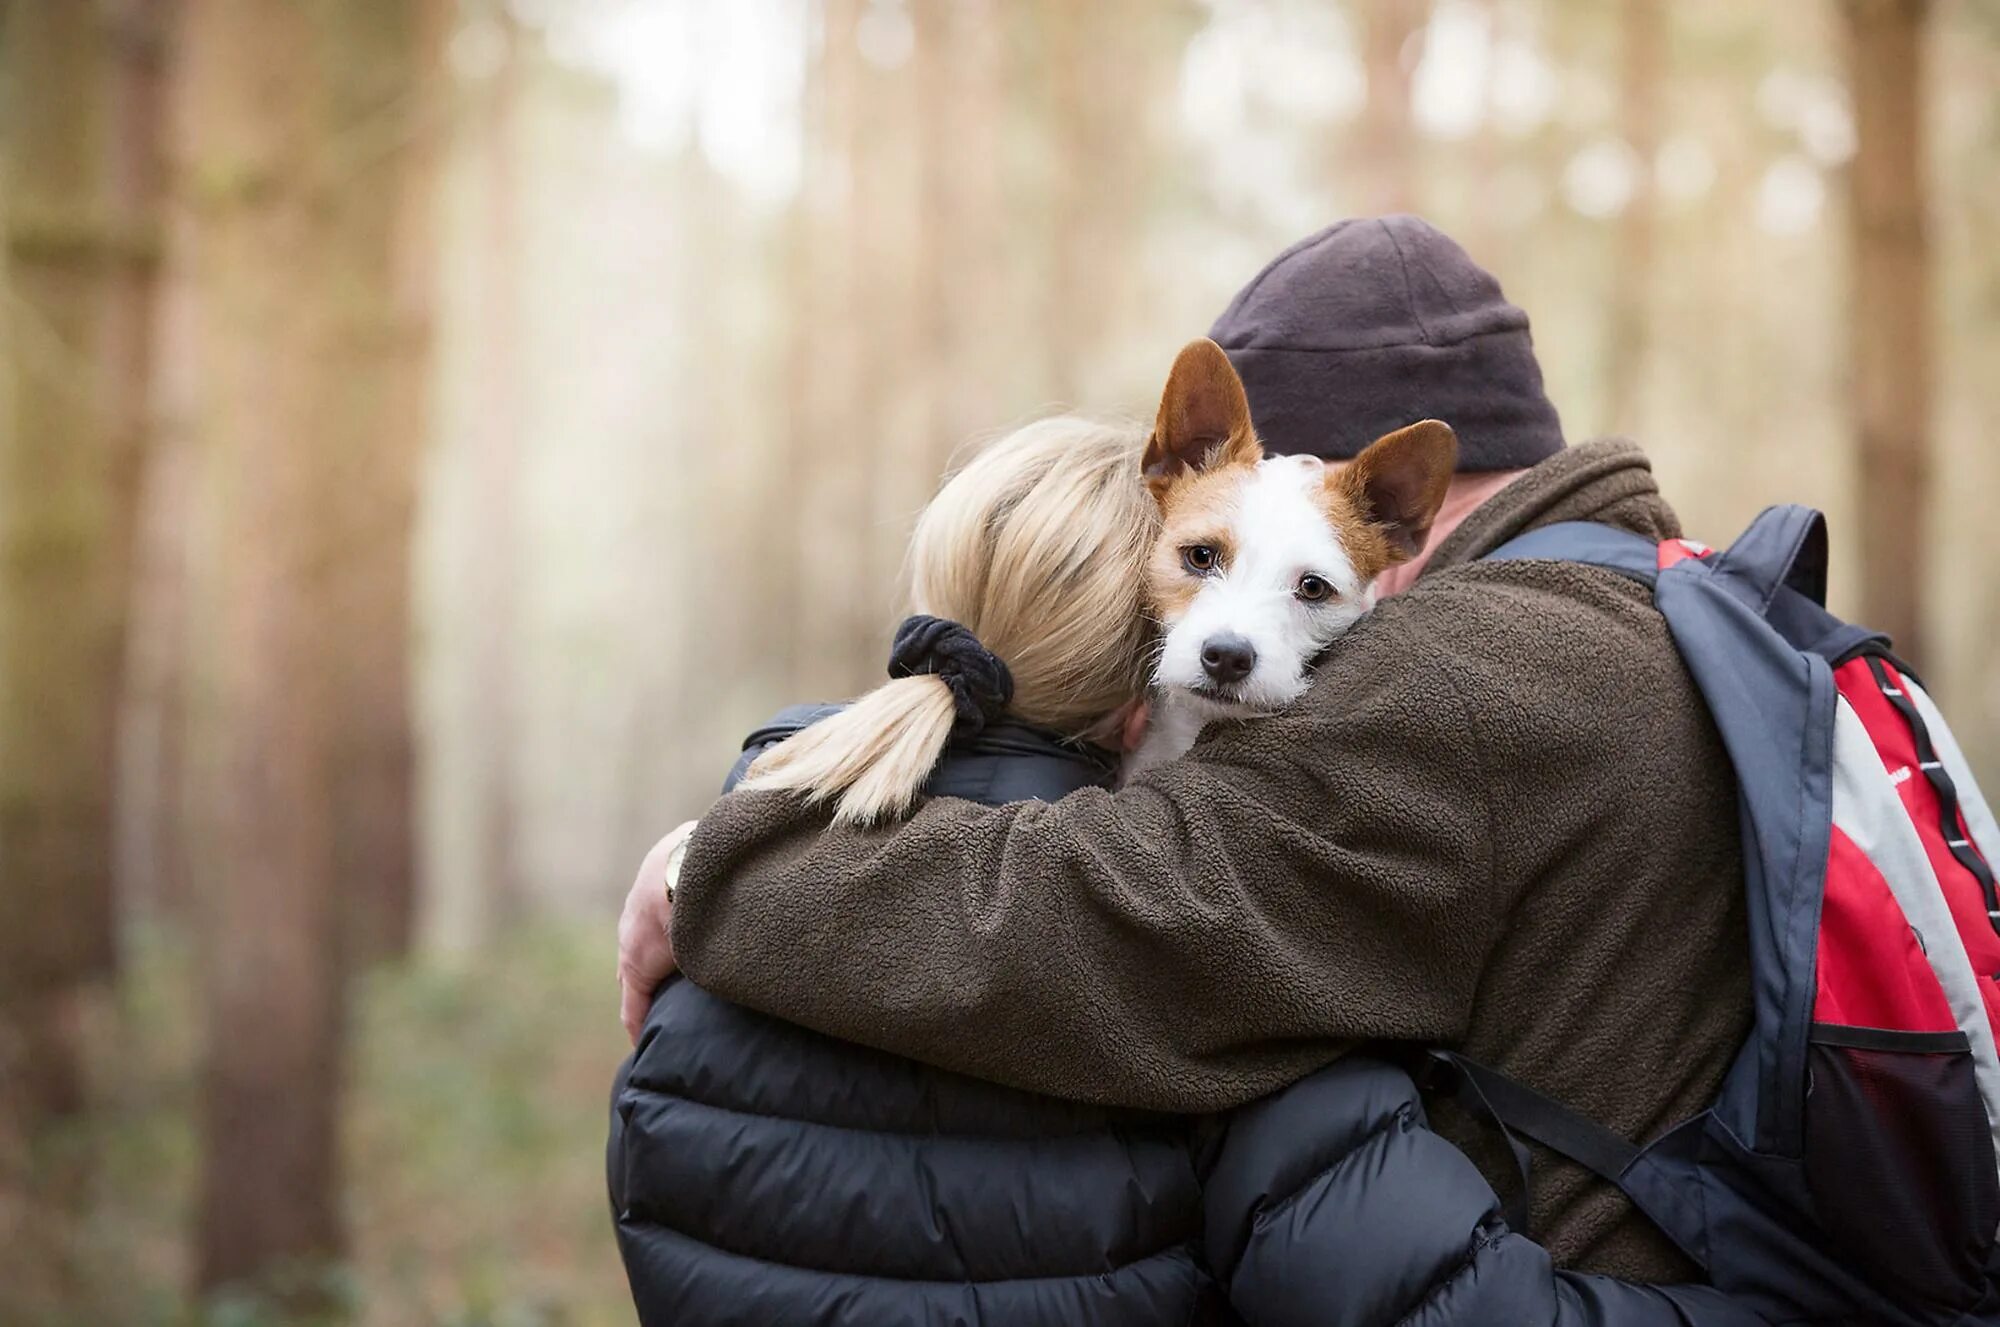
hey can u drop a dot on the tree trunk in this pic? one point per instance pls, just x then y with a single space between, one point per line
1071 313
497 510
141 33
1388 140
962 286
67 483
894 242
148 842
402 47
1890 318
1643 52
830 443
790 594
292 127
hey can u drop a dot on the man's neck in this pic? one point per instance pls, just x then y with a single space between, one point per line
1465 496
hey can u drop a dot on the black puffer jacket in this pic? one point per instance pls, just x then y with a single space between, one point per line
764 1175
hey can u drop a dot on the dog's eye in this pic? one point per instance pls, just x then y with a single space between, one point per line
1312 589
1199 559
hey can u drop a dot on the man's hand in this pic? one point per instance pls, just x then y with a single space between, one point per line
645 938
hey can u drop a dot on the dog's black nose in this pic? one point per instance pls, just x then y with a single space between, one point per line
1227 659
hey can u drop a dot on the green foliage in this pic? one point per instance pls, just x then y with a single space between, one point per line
474 1157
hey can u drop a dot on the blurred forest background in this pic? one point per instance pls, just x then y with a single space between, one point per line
431 431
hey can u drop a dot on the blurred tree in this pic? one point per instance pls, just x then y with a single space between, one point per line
891 239
975 182
292 120
149 853
1103 131
961 288
80 251
831 341
398 54
1387 140
1643 51
498 893
1483 233
799 280
140 33
1081 204
80 181
1889 318
152 851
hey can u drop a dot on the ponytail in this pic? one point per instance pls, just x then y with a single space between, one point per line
873 756
1033 554
877 752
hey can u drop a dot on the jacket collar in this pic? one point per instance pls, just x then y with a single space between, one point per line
1609 481
1007 761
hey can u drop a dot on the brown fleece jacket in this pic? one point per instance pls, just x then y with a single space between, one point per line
1501 820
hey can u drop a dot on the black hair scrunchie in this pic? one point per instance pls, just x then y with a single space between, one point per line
980 684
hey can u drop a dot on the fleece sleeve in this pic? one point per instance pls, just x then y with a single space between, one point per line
1223 925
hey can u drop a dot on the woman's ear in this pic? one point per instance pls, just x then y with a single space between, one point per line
1131 720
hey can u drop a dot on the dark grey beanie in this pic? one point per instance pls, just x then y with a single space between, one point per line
1378 322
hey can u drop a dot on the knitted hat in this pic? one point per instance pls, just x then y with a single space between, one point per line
1378 322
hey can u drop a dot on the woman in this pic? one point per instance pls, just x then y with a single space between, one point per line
763 1174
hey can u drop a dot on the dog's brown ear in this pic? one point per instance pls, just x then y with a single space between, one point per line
1204 417
1399 480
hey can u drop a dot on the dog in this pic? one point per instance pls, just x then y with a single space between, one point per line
1264 561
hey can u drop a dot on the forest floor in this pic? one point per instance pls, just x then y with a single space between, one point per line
474 1145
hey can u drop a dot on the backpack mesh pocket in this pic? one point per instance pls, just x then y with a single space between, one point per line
1900 1160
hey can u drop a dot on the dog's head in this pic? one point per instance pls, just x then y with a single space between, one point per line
1263 561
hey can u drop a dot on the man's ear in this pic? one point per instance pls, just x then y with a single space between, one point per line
1204 417
1399 480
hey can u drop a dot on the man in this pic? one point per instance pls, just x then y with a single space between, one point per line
1500 820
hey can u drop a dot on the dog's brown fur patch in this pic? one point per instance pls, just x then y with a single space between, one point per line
1384 500
1195 508
1367 546
1202 433
1204 420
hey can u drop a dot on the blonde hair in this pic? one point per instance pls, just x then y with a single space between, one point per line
1036 546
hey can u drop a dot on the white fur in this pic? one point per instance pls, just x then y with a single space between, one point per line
1280 533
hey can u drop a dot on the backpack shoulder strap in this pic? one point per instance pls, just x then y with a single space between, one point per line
1587 542
1784 548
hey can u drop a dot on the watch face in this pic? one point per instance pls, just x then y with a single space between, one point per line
674 856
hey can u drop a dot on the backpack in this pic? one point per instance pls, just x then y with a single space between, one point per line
1849 1169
